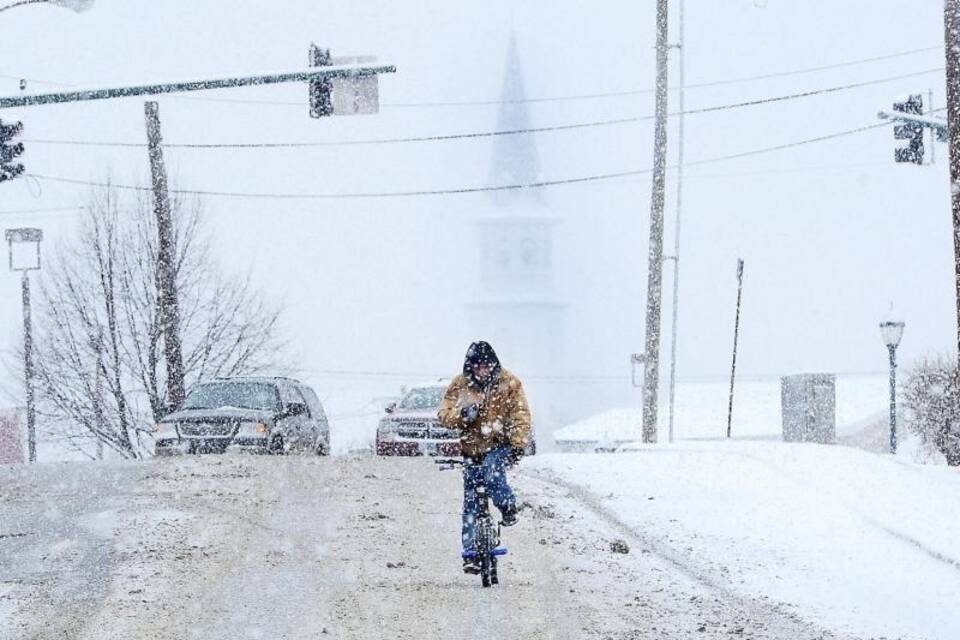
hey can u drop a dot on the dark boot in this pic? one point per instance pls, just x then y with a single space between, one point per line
471 566
508 515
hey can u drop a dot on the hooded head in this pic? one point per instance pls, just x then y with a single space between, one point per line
481 367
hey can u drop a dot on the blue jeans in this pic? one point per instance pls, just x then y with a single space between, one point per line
491 471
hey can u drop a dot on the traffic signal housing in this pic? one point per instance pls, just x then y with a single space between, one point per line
10 152
321 89
912 132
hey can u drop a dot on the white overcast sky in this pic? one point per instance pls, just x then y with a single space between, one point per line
831 233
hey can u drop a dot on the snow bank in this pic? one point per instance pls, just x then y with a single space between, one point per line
701 412
864 543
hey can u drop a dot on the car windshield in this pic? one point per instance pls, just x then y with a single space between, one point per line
423 398
242 395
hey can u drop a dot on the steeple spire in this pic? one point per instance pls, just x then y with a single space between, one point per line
514 159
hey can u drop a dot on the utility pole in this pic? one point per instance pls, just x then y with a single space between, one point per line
651 380
166 255
675 312
736 336
951 21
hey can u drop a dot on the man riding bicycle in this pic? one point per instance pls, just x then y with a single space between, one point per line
487 405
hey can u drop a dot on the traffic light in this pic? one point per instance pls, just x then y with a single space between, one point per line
8 152
321 89
910 131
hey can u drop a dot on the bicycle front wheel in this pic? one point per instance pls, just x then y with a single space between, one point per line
486 569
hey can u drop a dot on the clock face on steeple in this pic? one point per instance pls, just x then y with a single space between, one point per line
516 251
503 256
528 252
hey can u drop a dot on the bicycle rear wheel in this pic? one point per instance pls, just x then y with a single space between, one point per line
493 570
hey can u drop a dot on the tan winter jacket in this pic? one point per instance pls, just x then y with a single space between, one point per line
504 417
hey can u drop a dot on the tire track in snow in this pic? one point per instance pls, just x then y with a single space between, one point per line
788 624
863 517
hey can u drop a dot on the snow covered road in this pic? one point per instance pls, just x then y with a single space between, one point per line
241 547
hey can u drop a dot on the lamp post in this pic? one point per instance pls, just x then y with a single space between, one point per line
24 250
76 5
892 332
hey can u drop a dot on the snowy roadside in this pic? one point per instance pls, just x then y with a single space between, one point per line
859 542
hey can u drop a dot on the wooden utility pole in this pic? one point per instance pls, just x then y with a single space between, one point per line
951 20
651 379
736 336
166 255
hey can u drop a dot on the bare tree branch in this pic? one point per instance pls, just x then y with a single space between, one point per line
99 354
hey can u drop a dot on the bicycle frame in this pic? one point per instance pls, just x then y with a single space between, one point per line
487 532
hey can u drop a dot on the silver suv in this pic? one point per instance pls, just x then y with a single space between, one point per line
258 415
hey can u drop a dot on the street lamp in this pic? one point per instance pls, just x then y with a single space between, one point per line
24 250
76 5
892 332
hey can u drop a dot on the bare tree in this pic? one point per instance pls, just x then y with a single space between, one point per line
931 399
100 345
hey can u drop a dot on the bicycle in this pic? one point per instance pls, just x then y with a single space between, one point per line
487 537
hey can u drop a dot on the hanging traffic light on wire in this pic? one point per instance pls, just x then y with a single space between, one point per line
321 89
909 130
9 152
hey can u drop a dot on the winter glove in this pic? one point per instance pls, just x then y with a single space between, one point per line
469 413
516 454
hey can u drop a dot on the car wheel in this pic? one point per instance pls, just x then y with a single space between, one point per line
276 446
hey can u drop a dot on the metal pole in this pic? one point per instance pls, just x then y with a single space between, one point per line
28 369
951 19
75 95
98 420
675 313
933 132
166 255
651 380
736 335
893 397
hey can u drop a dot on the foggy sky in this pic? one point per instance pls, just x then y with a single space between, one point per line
831 233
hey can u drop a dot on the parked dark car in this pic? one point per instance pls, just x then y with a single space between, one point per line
256 415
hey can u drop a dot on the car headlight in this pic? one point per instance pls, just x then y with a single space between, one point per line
165 431
254 429
387 430
389 426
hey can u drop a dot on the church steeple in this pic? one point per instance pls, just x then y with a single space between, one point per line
515 159
517 308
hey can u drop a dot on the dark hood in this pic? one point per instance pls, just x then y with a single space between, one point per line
481 353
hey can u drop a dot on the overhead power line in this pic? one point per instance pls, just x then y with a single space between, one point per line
14 212
467 190
487 134
693 176
826 67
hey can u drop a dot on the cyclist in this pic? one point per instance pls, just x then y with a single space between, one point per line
488 406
